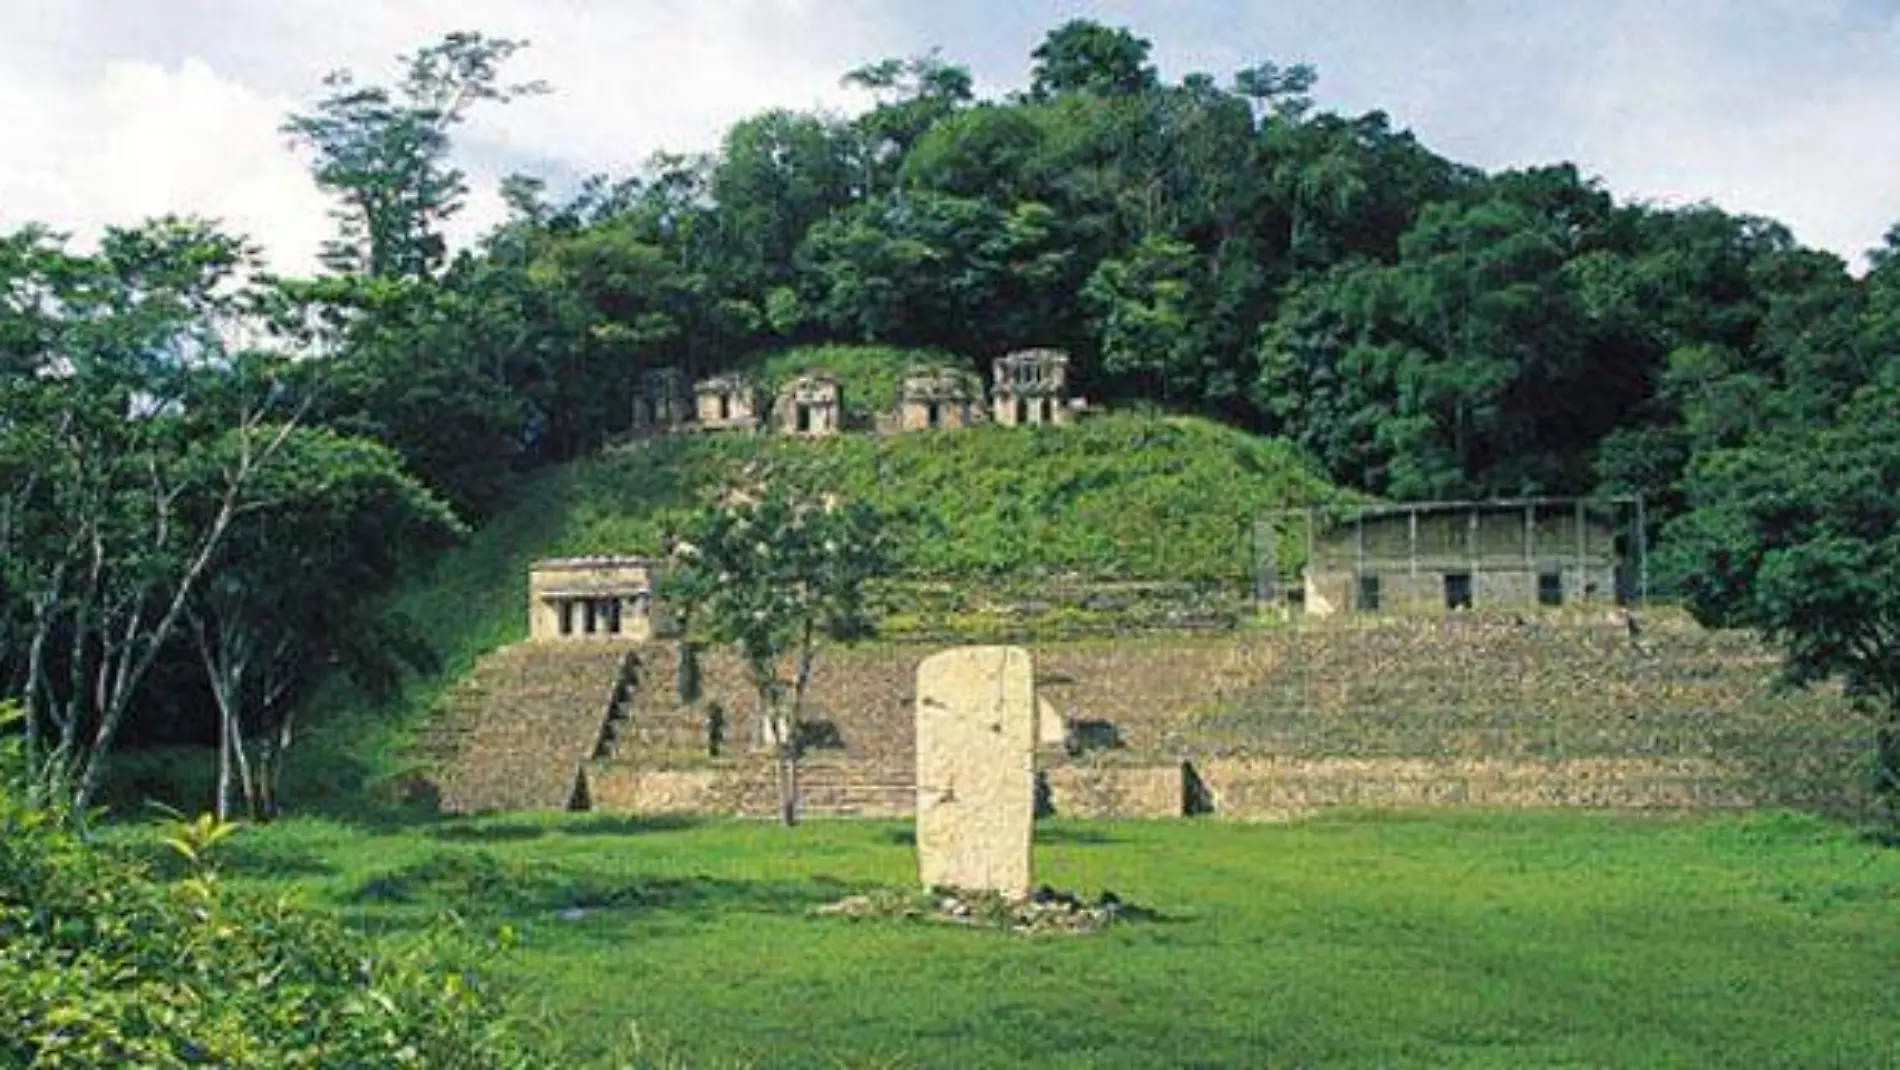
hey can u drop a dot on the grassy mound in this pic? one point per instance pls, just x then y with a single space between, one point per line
1118 498
1122 497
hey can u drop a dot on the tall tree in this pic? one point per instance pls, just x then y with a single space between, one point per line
383 153
290 598
1797 533
774 570
1083 56
112 507
912 95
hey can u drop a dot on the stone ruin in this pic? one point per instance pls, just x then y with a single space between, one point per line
1435 557
940 398
810 405
976 778
659 402
726 403
583 599
1030 387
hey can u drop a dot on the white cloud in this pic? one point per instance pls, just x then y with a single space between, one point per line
114 140
1777 107
141 140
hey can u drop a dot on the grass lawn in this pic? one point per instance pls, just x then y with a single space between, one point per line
1375 940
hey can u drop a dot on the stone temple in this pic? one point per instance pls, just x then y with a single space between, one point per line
592 599
1446 556
1031 387
940 398
810 405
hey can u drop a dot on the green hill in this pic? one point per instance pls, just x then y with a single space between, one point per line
1118 498
991 526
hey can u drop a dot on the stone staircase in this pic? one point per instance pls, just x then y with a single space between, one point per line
865 769
514 733
843 786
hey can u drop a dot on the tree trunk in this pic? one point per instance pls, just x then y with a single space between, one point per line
223 805
787 785
1887 763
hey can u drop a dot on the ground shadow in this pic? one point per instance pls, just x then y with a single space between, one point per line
250 857
477 882
1071 834
486 833
628 824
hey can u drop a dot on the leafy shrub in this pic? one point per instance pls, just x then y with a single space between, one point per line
104 964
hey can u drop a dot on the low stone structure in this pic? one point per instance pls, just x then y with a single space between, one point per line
976 789
659 402
591 598
1267 789
726 403
810 405
940 398
1031 387
1114 792
1435 557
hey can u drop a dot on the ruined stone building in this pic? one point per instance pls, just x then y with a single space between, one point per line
726 403
580 599
1437 557
940 397
809 405
659 402
1031 387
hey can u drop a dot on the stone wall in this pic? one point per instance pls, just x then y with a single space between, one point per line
618 788
1268 789
1504 551
1474 707
1101 791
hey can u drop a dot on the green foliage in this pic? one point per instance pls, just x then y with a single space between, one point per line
1117 497
1081 56
774 567
870 377
383 153
1797 533
104 964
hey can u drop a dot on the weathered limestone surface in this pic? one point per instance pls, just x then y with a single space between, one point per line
976 795
1052 728
622 789
1270 789
1115 792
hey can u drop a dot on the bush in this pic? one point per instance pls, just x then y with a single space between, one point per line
102 963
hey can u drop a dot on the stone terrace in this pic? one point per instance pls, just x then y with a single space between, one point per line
514 733
1540 708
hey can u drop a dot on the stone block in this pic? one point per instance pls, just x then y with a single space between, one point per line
1052 729
976 738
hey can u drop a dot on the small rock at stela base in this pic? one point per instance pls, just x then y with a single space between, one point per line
573 914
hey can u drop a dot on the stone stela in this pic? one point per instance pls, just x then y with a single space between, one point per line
976 780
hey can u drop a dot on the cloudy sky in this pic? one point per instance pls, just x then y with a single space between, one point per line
111 110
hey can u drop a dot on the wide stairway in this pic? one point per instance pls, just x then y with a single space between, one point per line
861 762
514 734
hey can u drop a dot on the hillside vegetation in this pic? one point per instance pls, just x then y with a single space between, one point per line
1118 497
